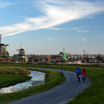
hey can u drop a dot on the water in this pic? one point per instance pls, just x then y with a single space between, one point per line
37 79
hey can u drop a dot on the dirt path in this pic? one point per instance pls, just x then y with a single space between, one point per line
61 94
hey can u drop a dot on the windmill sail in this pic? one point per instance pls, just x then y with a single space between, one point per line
84 51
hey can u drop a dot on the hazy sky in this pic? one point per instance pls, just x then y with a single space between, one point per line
48 26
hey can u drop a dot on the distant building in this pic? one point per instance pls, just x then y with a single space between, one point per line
3 49
21 52
20 57
78 58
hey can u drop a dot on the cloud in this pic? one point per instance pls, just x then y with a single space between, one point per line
55 12
84 40
50 39
78 29
5 4
55 28
82 30
100 36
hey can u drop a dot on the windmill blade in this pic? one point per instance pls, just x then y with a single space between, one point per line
18 49
63 50
84 51
0 38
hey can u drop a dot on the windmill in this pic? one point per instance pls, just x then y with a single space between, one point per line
63 55
21 51
3 48
21 55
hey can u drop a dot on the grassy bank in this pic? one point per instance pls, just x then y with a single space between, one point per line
48 65
12 79
13 70
52 79
11 76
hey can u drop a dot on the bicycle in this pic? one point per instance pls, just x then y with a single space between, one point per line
78 77
83 78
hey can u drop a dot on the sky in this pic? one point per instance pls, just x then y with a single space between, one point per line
48 26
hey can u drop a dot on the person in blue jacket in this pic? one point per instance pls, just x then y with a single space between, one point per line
78 71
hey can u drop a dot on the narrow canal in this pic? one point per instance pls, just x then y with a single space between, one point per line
37 79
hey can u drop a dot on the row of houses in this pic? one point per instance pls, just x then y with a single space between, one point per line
70 58
21 57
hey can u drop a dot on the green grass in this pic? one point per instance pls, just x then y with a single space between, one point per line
12 79
13 70
52 79
11 76
48 65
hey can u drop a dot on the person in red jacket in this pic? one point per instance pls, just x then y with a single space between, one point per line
83 75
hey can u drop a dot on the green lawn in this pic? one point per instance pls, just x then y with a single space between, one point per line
13 70
12 79
11 76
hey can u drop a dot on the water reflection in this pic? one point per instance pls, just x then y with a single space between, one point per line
37 79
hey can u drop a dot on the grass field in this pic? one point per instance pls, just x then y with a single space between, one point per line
13 70
12 79
11 76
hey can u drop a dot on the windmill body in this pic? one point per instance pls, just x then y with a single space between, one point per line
3 49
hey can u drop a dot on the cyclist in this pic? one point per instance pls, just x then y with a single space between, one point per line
78 71
83 75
